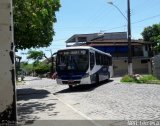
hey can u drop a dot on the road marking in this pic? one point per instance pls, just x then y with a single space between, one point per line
80 113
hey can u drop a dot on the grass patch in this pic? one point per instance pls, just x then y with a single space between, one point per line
127 78
146 79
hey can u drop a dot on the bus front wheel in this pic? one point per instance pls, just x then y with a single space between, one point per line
70 86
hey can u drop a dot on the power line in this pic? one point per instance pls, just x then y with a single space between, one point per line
96 16
146 19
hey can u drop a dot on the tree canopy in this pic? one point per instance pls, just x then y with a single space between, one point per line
33 22
152 34
35 55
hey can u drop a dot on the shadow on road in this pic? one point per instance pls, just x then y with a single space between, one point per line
83 88
29 93
30 110
32 103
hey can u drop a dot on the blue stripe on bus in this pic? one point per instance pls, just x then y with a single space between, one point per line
71 76
102 71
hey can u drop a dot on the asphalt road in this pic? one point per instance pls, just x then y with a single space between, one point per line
43 99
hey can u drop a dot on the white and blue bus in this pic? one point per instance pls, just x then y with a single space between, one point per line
82 65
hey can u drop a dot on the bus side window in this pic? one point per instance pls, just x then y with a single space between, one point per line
110 61
105 60
97 59
92 60
100 59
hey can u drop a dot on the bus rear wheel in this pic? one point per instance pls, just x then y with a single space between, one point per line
97 79
108 75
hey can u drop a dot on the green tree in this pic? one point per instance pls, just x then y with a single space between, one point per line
35 55
33 22
28 68
42 68
152 34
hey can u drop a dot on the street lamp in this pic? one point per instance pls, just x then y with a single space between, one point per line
111 3
130 68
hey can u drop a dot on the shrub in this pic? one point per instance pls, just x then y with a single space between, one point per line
149 79
127 78
42 68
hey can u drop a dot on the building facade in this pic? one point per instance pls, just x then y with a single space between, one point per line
117 45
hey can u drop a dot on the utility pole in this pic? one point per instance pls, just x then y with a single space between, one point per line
130 68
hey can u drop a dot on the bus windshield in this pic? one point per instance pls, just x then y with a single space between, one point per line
72 60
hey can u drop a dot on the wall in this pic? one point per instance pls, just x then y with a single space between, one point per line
7 67
139 67
120 67
156 65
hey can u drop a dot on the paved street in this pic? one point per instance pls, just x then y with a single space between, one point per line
43 99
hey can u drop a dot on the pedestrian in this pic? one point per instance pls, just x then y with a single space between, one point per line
54 76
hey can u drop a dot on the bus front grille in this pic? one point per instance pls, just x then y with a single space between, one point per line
71 82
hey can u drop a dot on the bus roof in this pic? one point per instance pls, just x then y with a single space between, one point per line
84 47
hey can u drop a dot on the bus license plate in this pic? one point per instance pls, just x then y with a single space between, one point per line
70 81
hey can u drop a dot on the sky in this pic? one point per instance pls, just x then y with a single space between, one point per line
95 16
